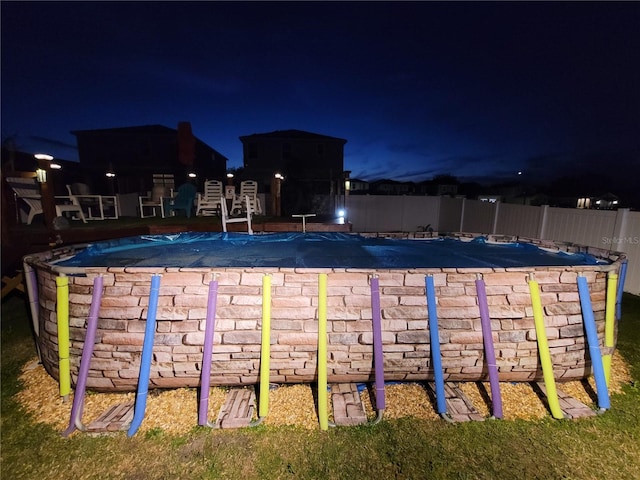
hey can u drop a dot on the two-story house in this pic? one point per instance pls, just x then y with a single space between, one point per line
134 154
312 165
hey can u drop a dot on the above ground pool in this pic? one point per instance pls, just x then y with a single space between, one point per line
465 292
317 250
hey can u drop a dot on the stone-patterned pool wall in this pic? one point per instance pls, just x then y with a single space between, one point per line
182 309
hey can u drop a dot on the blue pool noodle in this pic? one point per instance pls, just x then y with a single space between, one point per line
434 338
145 361
621 279
594 346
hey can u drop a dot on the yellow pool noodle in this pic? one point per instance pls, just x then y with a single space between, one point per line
323 415
62 313
609 323
265 352
543 351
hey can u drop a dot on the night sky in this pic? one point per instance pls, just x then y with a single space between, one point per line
477 90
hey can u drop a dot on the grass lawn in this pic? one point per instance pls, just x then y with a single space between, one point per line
607 446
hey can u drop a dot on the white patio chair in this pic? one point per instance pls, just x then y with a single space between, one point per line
94 206
248 212
248 188
208 203
155 200
163 185
27 190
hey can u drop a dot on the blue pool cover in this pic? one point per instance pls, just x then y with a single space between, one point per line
314 250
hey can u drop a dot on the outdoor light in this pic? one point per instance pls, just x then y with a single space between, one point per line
55 166
347 185
229 175
41 171
279 176
341 216
110 174
41 175
191 175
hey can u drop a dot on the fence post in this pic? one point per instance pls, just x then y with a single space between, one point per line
464 201
620 225
542 225
496 212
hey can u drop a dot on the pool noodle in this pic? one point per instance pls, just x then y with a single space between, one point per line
543 351
489 351
85 359
205 375
62 313
265 352
145 360
377 344
323 415
594 346
621 280
609 325
435 346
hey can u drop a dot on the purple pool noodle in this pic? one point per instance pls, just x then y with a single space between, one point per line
205 376
489 352
85 359
377 343
145 360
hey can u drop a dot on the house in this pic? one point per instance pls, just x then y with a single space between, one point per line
311 164
135 153
390 187
358 187
607 201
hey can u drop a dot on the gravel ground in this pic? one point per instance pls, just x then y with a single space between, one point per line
175 411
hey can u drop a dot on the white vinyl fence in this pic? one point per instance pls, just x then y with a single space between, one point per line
615 230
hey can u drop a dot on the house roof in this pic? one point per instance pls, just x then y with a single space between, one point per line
292 135
129 130
145 129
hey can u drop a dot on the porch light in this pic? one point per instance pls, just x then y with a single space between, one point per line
41 171
41 175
